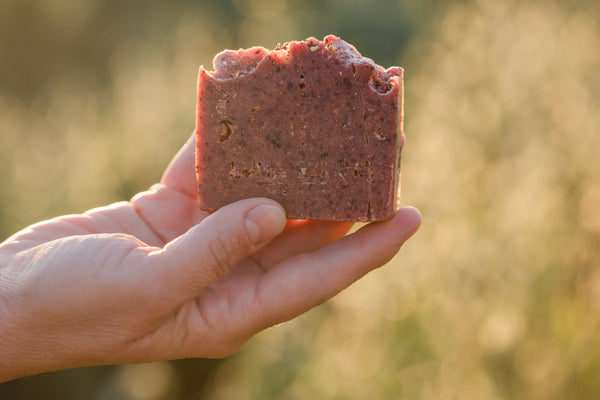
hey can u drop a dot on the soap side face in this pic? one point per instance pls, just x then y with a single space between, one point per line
312 125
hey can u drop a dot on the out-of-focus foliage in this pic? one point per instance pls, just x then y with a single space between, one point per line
498 295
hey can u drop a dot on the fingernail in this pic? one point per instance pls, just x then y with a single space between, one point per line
264 222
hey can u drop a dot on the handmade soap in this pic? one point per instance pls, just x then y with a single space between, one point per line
311 124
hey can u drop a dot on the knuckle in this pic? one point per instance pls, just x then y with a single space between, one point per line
224 253
220 255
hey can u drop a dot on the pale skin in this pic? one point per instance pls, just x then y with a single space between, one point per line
156 278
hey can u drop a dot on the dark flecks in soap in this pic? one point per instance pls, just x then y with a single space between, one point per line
227 124
275 139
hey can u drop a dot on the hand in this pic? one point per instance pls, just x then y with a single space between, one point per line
156 278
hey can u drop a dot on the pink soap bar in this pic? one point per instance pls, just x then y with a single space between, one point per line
311 124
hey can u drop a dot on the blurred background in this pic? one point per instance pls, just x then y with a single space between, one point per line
498 294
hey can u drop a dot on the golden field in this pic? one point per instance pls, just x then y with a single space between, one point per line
496 297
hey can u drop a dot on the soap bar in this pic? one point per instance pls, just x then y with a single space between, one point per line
311 124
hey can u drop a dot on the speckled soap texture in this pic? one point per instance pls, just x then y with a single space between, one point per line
311 124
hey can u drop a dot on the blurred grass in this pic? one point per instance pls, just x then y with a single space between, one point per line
498 295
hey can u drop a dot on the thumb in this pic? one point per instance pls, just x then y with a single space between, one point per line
209 250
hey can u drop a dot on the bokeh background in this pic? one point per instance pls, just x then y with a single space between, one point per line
496 297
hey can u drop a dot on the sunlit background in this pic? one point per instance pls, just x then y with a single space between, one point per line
496 297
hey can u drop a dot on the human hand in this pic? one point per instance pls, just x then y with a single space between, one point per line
156 278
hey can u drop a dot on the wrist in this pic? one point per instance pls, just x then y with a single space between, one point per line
20 356
12 360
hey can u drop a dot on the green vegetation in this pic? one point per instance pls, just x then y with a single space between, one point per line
498 294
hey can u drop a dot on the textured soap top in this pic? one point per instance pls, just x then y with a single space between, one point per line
311 124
